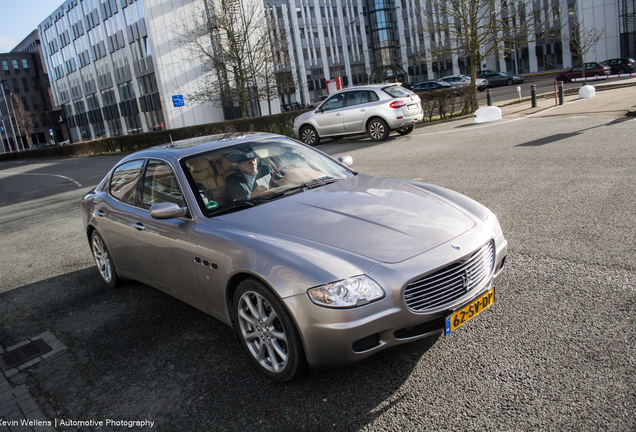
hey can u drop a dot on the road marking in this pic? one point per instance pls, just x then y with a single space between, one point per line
36 174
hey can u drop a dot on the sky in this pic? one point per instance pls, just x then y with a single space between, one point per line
18 18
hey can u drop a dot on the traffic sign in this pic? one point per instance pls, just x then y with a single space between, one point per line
178 101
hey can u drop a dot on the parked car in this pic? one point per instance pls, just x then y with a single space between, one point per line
462 80
483 73
430 86
376 109
323 267
620 65
593 70
316 102
500 79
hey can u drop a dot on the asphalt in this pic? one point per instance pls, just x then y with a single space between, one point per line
20 411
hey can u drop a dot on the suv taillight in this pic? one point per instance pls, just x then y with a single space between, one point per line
397 104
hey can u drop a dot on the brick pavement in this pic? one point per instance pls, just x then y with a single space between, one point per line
19 411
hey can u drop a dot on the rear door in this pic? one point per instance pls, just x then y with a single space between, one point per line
357 110
115 214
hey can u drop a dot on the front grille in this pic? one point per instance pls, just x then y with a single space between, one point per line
450 283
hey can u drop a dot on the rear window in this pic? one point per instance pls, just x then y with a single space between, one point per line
397 91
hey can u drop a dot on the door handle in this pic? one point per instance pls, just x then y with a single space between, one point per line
338 114
100 213
363 109
139 226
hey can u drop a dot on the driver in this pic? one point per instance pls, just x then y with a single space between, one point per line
251 180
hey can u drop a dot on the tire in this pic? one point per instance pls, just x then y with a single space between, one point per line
621 71
267 331
405 131
104 262
309 136
378 130
509 82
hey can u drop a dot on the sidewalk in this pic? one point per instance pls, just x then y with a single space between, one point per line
19 411
612 100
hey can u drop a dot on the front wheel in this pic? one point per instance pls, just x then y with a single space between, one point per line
405 130
268 332
378 130
509 82
309 136
104 262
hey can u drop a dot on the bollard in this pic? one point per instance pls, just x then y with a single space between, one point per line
561 97
488 98
533 95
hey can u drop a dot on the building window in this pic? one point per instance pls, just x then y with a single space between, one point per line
16 88
16 68
25 65
34 102
5 66
25 85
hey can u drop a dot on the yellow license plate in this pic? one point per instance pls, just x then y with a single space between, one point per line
470 311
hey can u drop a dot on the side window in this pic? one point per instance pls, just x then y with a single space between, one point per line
160 185
373 96
576 68
357 98
123 184
334 102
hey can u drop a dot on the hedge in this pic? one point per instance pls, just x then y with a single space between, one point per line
436 104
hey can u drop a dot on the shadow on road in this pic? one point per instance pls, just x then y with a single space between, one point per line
136 353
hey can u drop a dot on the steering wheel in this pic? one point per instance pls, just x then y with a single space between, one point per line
273 181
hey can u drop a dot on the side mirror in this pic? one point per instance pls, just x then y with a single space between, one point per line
167 210
346 160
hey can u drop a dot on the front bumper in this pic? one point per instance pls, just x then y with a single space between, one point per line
336 337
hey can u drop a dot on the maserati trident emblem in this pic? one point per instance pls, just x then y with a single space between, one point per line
466 281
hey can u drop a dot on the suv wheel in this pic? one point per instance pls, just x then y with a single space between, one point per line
378 130
309 136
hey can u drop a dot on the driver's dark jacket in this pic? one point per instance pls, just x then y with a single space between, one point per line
237 187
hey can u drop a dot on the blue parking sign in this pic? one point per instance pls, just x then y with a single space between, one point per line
178 101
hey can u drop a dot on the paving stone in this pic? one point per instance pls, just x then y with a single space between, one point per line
30 363
11 372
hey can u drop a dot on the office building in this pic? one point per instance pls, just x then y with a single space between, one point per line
120 67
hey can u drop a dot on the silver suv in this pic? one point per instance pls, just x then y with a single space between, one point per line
375 109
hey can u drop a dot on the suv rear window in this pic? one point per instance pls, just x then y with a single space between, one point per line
397 91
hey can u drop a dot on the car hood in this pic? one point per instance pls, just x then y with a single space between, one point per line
382 219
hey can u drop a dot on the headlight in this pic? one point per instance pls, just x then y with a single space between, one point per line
491 222
347 293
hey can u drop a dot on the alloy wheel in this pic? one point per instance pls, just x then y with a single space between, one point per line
102 259
376 130
263 331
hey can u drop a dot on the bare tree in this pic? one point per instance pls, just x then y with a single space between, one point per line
582 40
229 38
475 29
23 118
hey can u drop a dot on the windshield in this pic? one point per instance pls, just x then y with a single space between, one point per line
251 173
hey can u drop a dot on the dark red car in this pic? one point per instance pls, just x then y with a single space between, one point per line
593 70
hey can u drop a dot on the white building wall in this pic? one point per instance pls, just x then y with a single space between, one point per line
178 73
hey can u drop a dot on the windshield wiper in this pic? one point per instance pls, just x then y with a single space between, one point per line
301 188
